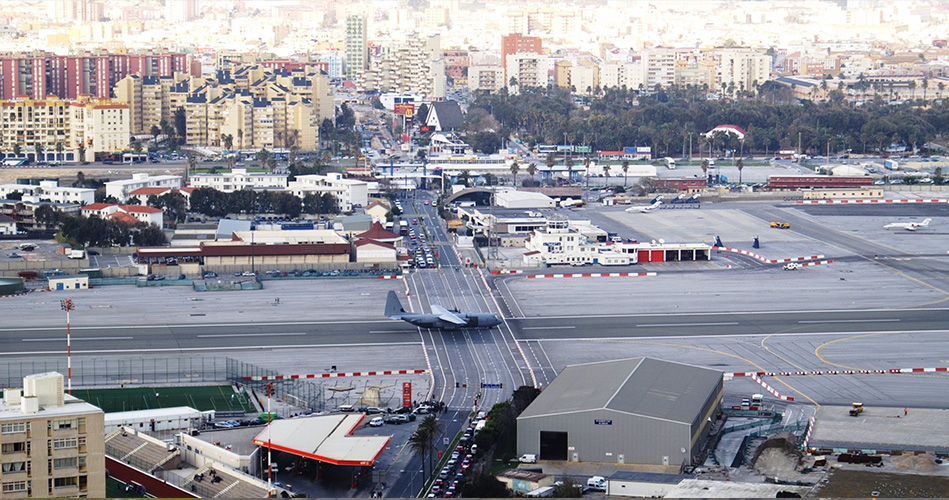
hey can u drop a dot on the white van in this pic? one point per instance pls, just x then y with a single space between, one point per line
528 458
376 422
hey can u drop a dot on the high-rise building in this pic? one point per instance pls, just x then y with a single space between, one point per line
414 65
181 11
527 70
743 67
518 44
53 445
357 45
39 74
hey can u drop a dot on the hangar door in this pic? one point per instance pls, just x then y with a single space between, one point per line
553 445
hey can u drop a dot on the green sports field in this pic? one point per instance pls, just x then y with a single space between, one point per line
203 398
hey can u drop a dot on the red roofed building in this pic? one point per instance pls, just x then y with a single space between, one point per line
140 195
378 233
730 129
140 213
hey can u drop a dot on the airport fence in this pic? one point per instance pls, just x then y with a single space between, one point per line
301 393
119 372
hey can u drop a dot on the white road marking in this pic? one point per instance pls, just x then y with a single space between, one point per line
249 335
548 328
686 324
850 321
75 338
205 349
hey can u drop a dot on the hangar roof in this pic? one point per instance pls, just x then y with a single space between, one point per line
646 387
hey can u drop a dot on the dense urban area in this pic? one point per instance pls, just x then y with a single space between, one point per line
457 248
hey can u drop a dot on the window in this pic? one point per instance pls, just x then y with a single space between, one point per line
63 424
65 482
10 467
62 444
13 427
13 447
65 463
14 486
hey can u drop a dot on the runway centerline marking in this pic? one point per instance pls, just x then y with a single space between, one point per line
892 320
729 323
548 328
75 338
209 336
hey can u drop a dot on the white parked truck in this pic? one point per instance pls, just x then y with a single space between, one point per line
76 254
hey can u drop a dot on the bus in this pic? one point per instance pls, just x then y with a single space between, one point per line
543 149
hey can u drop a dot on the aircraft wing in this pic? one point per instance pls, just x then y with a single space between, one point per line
446 315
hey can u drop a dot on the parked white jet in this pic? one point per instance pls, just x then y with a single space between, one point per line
909 226
645 208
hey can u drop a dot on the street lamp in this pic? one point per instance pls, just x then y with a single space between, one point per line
67 306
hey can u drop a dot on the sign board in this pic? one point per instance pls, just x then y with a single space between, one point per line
584 149
407 109
602 422
406 394
425 128
564 149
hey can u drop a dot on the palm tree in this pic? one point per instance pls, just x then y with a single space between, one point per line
16 149
570 169
515 168
740 165
432 428
606 172
59 150
586 166
418 443
240 138
82 152
38 147
549 161
625 171
228 141
532 170
192 163
941 86
705 168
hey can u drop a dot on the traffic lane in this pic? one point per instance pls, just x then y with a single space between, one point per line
200 337
729 324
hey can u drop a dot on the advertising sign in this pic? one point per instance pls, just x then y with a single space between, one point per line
406 394
407 109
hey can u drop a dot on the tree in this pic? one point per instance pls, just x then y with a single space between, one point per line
570 169
586 167
155 131
532 170
515 168
568 488
418 443
16 149
38 148
82 152
80 180
606 173
625 171
59 150
181 123
432 429
262 156
549 161
228 141
739 164
486 486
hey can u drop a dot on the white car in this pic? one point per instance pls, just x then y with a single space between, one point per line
376 422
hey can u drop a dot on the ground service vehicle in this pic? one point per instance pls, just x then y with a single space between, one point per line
781 225
597 483
528 458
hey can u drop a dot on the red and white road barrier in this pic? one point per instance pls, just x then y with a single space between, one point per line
390 277
818 263
941 369
508 271
770 389
765 259
868 202
589 275
264 378
810 429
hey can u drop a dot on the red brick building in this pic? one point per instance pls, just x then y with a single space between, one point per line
796 182
517 44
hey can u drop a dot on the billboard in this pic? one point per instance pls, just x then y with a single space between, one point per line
406 394
406 109
583 149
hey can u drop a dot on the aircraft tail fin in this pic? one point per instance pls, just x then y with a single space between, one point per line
925 222
394 308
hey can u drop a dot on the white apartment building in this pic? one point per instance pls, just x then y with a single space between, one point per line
52 191
141 213
53 445
486 77
659 67
527 69
618 74
238 179
744 67
349 193
413 65
120 189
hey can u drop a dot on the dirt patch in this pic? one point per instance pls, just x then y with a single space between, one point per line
777 456
844 483
917 463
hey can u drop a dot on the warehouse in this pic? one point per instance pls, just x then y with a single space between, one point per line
632 411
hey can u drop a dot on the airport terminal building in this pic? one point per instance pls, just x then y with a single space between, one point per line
632 411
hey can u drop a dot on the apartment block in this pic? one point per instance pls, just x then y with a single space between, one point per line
120 189
413 65
51 444
50 191
696 72
486 77
620 74
583 77
238 179
743 67
518 44
53 129
659 65
357 45
527 70
40 74
349 193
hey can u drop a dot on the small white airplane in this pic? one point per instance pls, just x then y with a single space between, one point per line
645 208
909 226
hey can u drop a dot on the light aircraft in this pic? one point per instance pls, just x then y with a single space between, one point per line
909 226
646 208
440 317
